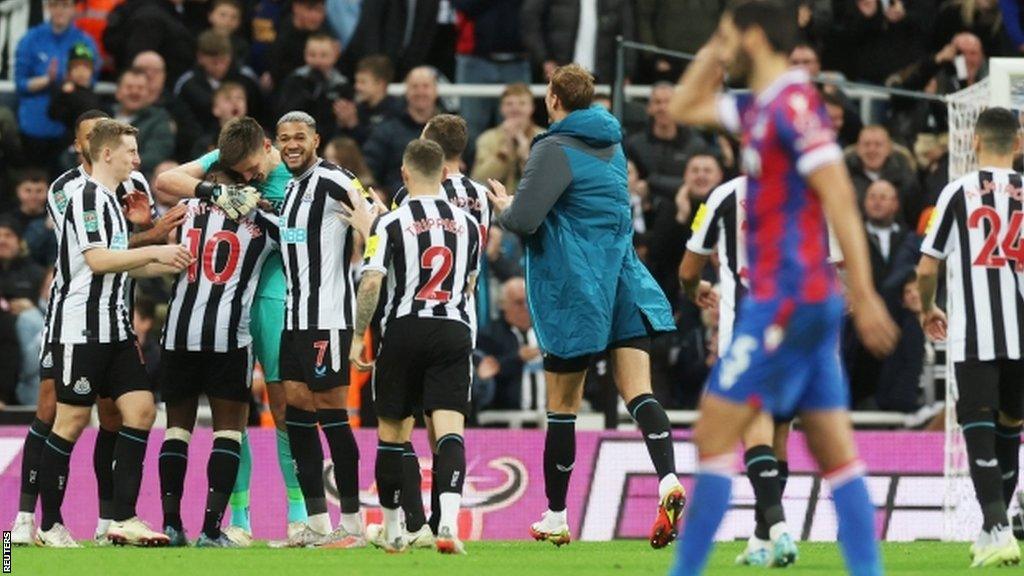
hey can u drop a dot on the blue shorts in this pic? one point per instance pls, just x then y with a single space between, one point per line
784 358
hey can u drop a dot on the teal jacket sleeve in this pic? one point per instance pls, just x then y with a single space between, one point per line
546 177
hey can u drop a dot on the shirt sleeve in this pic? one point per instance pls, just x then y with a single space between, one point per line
705 223
939 232
806 132
377 255
268 223
730 108
476 244
85 213
545 178
209 159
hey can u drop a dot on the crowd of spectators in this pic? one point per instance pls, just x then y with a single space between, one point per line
182 68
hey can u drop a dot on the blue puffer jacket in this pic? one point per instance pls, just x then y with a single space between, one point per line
586 286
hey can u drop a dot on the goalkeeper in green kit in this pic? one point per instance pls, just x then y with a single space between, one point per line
244 149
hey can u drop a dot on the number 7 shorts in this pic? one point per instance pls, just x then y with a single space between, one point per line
319 358
784 358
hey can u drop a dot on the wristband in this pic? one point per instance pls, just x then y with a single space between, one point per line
205 190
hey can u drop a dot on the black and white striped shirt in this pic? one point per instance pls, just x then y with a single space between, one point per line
976 228
74 179
464 193
429 250
210 300
87 307
316 247
722 221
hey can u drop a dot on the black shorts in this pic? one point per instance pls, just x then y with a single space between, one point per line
993 385
423 362
46 362
319 358
85 371
559 365
221 375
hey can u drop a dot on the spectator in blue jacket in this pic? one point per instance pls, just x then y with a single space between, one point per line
40 63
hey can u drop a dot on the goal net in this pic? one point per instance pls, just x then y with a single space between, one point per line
961 513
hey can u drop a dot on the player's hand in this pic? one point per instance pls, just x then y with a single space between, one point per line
877 332
934 324
360 215
528 353
355 356
236 200
171 220
499 196
136 208
379 207
488 368
173 255
704 295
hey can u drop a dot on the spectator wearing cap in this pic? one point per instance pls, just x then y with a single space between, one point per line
75 95
156 130
30 214
373 104
662 150
287 52
387 143
21 290
557 32
317 86
40 62
214 65
150 25
876 158
489 51
502 151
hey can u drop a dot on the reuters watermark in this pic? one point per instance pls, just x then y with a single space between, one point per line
7 552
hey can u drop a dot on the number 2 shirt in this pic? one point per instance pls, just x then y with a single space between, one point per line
976 228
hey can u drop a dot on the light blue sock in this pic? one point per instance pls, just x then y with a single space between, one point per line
708 505
856 516
296 503
240 493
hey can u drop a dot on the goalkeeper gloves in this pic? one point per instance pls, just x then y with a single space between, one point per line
236 200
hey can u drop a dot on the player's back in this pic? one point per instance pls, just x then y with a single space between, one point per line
430 251
465 193
210 300
976 227
786 137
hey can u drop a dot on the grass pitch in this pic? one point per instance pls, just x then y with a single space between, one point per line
519 558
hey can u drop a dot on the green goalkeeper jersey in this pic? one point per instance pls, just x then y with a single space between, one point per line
272 282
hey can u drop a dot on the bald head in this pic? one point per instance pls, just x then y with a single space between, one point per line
421 91
513 303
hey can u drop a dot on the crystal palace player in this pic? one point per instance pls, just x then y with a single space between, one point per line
135 197
94 349
451 134
429 252
722 221
976 229
316 247
784 354
207 350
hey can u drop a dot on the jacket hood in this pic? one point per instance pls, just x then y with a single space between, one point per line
594 126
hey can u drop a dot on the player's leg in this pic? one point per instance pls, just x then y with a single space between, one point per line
229 417
1008 425
977 409
718 430
631 365
330 394
780 444
564 380
392 434
129 387
435 503
763 474
103 463
448 426
54 468
23 532
830 439
412 496
173 460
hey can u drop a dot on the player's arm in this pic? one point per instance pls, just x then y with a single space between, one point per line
366 306
181 182
545 178
697 290
696 98
698 248
934 249
153 270
831 182
106 261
